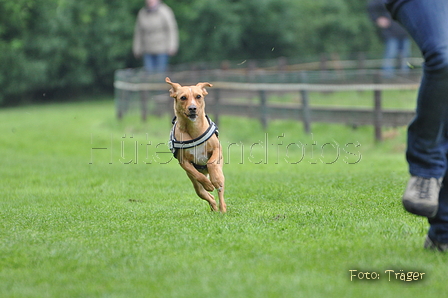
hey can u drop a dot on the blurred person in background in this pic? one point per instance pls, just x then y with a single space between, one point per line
426 193
155 36
396 40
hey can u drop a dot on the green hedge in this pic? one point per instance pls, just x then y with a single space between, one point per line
52 46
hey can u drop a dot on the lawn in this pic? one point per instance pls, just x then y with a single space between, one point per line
93 207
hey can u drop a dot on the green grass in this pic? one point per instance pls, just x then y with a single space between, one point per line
79 222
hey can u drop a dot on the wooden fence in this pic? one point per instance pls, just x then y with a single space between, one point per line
263 110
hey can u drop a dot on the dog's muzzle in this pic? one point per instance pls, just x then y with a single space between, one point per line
192 116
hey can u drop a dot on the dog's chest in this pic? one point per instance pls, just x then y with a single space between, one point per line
200 156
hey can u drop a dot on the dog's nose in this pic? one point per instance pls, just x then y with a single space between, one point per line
192 109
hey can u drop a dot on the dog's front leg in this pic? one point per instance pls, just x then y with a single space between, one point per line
214 167
195 174
203 194
201 184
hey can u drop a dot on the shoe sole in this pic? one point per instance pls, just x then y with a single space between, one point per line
420 209
430 245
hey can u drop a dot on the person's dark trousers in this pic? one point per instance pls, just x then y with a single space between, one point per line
427 23
438 230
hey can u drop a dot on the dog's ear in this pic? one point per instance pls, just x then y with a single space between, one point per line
174 87
203 85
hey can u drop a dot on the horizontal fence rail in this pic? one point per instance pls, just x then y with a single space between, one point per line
223 103
272 87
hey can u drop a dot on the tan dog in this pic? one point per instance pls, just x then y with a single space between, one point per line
194 142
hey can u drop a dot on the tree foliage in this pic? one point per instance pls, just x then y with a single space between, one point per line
68 45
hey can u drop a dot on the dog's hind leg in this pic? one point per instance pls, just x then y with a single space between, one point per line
203 194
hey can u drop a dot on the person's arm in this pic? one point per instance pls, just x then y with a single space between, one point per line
137 47
378 14
172 33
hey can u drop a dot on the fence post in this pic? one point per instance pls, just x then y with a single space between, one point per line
323 63
306 114
306 111
144 104
123 103
377 112
361 61
263 109
251 67
119 95
119 99
378 116
216 104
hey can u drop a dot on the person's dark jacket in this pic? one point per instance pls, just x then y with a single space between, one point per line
376 9
393 5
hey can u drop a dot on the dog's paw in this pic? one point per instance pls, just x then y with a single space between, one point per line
218 184
223 208
207 185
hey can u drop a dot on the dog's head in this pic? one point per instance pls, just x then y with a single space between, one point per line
188 100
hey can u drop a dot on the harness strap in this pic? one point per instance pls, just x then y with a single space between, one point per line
175 145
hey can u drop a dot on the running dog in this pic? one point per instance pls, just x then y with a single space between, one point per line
194 142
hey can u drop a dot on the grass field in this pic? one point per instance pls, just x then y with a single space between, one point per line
123 221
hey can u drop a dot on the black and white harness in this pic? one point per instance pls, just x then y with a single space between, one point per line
175 145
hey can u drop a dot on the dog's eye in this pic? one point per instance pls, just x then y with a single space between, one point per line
198 96
183 98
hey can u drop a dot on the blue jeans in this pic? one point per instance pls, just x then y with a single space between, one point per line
155 63
394 48
427 148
